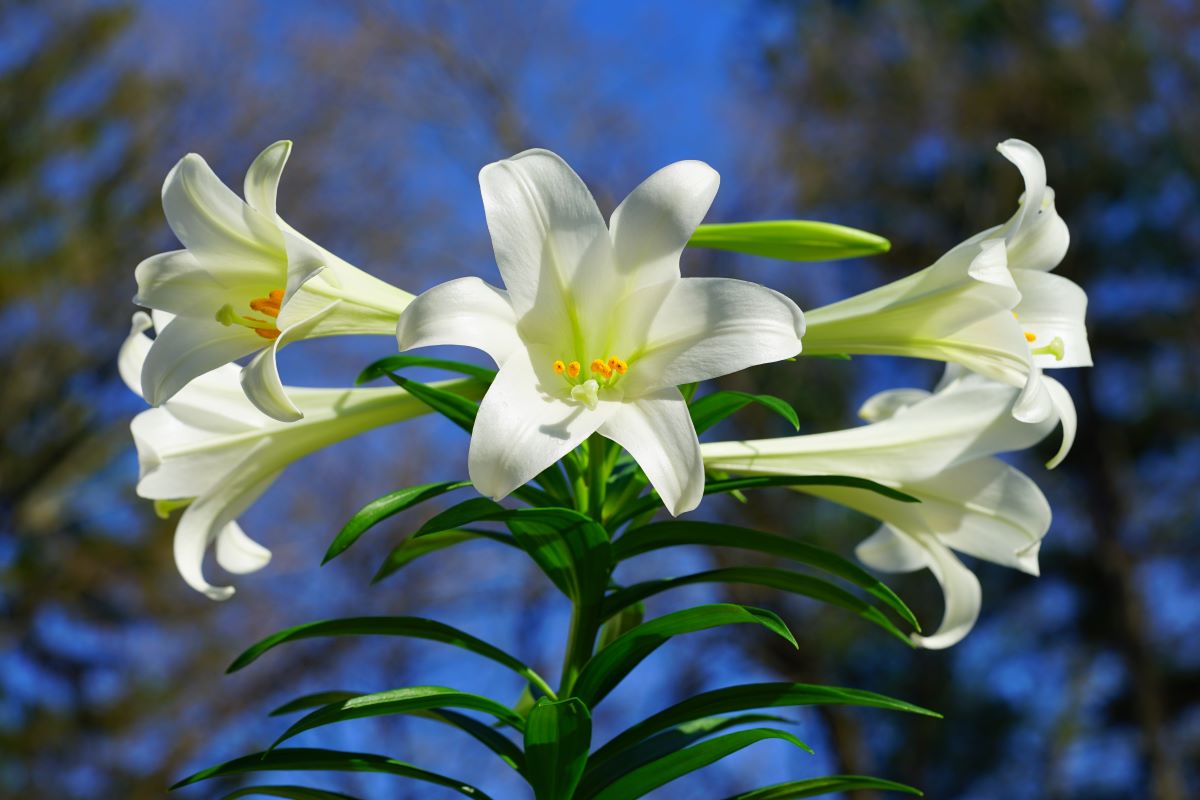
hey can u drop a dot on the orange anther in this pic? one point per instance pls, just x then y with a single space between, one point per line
1030 336
268 333
559 367
573 369
617 365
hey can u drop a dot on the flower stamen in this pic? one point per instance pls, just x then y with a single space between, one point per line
267 306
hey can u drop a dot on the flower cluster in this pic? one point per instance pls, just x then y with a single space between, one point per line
594 333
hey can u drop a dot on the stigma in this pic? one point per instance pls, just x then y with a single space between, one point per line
266 306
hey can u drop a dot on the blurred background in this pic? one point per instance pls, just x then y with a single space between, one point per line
1084 683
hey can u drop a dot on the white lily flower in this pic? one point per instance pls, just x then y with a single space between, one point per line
936 447
596 328
247 283
209 449
990 304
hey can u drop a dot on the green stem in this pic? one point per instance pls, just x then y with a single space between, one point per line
597 477
585 619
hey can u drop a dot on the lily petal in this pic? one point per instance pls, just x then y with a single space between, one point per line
262 179
213 222
134 349
544 224
709 327
1064 409
962 594
206 518
889 550
189 347
260 378
652 225
1037 236
466 312
238 553
176 282
520 430
658 432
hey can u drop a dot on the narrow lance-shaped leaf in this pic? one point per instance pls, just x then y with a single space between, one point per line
678 532
790 239
395 363
784 580
747 697
609 666
676 738
314 759
401 701
557 737
287 792
314 700
413 627
661 771
381 508
413 548
712 408
814 787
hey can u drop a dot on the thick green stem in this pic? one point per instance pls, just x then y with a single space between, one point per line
585 619
597 477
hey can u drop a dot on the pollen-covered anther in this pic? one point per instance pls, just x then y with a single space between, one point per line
268 305
600 368
617 365
559 367
573 369
1030 336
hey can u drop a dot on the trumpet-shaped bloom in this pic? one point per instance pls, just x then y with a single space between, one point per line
990 304
209 449
247 283
595 328
936 447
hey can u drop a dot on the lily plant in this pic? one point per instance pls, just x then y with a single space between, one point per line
587 430
247 283
989 304
938 448
595 328
211 452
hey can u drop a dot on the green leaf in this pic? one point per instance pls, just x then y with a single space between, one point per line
677 532
477 509
676 738
571 548
651 503
314 700
458 410
609 666
712 408
401 701
784 580
288 792
557 737
414 627
790 239
383 507
661 771
812 787
848 481
412 548
486 735
314 759
619 623
747 697
398 362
